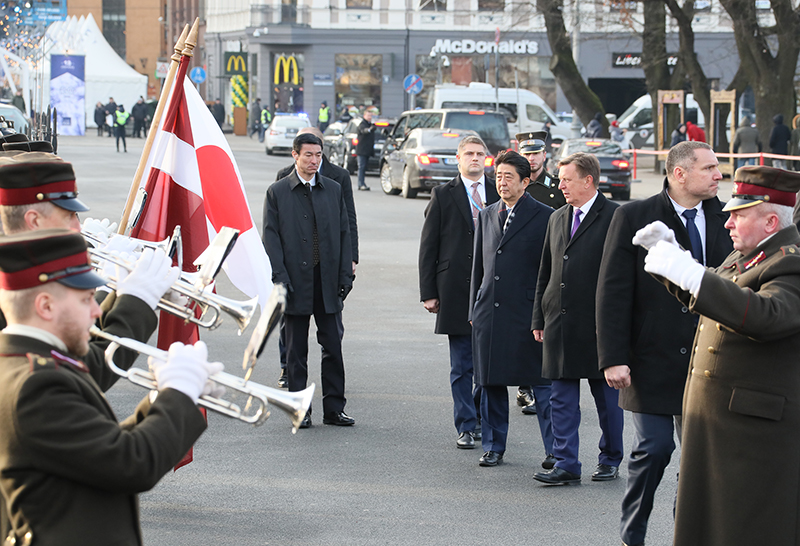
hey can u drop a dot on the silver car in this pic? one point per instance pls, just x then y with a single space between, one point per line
280 134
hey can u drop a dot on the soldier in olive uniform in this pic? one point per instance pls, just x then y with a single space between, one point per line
69 472
741 407
543 186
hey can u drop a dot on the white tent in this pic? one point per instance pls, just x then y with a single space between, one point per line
107 74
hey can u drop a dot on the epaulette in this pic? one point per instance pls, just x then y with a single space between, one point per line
790 250
54 361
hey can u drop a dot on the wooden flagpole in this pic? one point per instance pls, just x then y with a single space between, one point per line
187 41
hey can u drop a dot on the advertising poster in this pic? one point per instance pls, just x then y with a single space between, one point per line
68 93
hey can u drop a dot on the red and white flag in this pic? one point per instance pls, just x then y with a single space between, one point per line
192 181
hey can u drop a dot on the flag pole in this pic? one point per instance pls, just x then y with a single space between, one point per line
187 40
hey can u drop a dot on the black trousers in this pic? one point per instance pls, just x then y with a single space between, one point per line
332 365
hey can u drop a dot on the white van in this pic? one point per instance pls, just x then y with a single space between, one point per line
524 110
638 120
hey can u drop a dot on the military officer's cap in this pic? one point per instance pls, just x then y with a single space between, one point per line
34 258
756 184
532 142
36 177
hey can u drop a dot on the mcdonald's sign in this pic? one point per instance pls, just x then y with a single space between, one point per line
287 64
235 64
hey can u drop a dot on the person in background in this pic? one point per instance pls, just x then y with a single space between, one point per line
138 113
595 127
120 120
255 119
746 141
324 116
266 119
218 111
678 135
694 133
111 109
19 102
794 143
365 147
779 141
100 118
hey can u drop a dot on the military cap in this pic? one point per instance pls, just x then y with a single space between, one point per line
34 258
756 184
37 177
531 142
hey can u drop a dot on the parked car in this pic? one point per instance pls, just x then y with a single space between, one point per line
491 126
425 159
615 168
280 134
332 138
12 113
342 149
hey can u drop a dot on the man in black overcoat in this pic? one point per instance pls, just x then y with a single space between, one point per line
564 320
644 335
340 175
445 266
307 239
508 247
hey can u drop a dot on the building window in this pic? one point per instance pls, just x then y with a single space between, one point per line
114 25
623 5
358 83
433 5
359 4
491 5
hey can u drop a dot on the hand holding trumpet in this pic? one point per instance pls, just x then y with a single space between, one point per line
187 370
151 277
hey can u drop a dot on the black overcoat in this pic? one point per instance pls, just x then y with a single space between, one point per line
639 324
566 290
503 289
445 254
340 175
290 211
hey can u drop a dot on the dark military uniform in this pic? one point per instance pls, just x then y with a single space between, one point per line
545 190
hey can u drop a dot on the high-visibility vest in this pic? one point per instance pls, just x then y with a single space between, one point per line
324 114
266 117
122 117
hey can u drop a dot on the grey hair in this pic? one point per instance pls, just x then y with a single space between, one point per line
783 212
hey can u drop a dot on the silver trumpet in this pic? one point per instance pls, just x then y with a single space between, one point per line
172 246
258 397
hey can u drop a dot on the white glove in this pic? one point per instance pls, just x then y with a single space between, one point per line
652 233
151 277
102 229
677 265
186 369
118 243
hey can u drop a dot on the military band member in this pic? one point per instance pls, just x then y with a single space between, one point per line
741 405
69 472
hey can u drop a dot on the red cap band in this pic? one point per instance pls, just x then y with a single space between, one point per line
40 274
36 194
774 196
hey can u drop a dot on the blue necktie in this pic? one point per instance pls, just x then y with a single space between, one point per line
694 235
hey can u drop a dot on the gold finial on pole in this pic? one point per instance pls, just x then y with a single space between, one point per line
191 40
180 44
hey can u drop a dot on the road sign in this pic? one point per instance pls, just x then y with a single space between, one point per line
162 69
412 84
197 75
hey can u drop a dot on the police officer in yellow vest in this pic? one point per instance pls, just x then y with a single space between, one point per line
324 116
266 119
120 119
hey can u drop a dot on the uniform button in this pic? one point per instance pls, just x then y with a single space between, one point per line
712 350
496 304
734 278
305 216
701 327
707 373
697 348
683 350
500 251
305 263
304 240
563 285
566 257
684 310
469 256
563 311
719 327
496 277
41 361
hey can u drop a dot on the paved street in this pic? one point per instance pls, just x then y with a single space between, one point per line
396 477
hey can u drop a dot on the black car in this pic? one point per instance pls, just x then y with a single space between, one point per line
425 159
491 126
341 139
615 167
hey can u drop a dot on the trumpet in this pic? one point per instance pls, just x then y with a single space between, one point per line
211 305
258 397
172 246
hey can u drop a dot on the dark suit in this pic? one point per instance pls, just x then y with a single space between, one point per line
504 273
293 217
445 267
565 310
639 324
69 472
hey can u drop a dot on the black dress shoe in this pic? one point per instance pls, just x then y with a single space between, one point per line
490 458
524 396
605 473
340 419
283 380
306 422
530 409
465 440
549 461
557 476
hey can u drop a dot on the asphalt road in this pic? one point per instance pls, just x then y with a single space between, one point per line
396 477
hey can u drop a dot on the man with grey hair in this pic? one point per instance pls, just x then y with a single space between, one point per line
445 266
742 397
644 336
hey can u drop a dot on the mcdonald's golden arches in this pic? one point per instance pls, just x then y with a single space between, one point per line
289 75
235 64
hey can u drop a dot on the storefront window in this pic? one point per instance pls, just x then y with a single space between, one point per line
287 80
358 83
